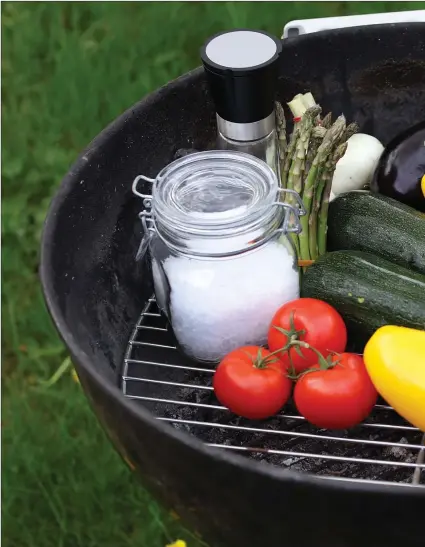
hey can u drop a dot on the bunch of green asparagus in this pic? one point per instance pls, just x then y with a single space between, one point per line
307 165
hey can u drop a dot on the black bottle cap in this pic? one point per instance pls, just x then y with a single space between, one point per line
241 67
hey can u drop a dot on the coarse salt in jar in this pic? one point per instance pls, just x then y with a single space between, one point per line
222 261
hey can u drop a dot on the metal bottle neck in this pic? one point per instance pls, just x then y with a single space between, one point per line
244 132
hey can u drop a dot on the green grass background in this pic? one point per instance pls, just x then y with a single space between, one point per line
68 69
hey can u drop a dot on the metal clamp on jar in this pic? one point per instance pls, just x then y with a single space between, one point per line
221 268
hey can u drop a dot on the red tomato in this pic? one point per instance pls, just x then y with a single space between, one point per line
252 383
312 321
338 397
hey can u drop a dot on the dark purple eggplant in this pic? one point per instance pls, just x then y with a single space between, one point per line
401 168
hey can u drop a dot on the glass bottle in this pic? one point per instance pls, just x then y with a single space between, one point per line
258 139
241 68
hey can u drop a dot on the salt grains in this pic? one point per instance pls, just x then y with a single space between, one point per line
207 210
219 305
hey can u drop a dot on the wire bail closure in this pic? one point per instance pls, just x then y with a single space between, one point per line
145 216
296 212
147 198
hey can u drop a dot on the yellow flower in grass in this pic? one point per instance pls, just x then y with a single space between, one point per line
178 543
75 376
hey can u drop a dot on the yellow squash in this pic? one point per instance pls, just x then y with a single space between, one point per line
395 361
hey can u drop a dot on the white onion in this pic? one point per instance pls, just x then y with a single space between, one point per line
355 169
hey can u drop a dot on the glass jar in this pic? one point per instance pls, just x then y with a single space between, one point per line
222 261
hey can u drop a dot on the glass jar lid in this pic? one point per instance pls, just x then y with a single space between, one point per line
216 203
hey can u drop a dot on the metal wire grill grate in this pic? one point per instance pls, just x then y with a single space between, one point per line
383 449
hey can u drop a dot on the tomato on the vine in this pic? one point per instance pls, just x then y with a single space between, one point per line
252 383
337 397
312 321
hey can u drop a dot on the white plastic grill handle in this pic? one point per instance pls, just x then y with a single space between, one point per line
306 26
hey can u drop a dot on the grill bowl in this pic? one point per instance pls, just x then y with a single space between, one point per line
96 292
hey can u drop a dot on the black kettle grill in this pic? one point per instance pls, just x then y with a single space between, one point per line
279 482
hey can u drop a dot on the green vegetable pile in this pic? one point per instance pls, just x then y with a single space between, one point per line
373 272
307 165
371 266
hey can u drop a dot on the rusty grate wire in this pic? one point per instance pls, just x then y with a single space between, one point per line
383 449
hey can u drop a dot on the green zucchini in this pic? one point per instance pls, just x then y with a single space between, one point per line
363 221
368 291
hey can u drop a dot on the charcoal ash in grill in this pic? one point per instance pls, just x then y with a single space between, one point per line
400 453
299 449
294 443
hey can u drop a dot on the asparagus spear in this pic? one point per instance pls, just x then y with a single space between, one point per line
297 109
295 175
318 132
327 120
298 106
296 170
317 200
321 178
289 155
312 219
350 130
289 159
332 136
296 160
316 139
281 134
323 213
317 136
